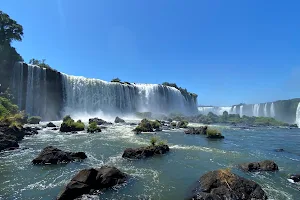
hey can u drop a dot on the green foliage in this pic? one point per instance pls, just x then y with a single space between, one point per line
116 80
7 107
213 132
93 127
183 124
40 63
70 125
10 30
183 91
173 124
34 120
147 126
155 124
161 143
153 141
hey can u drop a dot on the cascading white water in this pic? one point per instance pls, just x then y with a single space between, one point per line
256 110
85 95
265 110
35 96
204 110
234 110
298 115
241 110
272 110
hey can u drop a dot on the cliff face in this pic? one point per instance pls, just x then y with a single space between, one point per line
50 94
36 90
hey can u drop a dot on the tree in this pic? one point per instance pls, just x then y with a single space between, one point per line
10 30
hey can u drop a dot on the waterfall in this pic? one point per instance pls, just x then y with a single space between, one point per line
34 98
204 110
272 110
256 110
298 115
265 110
17 82
234 110
85 95
241 111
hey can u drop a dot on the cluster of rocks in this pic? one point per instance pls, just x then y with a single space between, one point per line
196 130
10 136
88 180
99 121
144 152
266 165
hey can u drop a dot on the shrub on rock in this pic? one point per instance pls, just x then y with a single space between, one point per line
214 134
34 120
93 127
91 179
69 125
147 126
99 121
222 185
182 124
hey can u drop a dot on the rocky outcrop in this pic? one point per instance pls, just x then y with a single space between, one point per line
295 177
223 185
52 155
196 130
10 136
50 124
119 120
144 152
99 121
88 180
266 165
34 120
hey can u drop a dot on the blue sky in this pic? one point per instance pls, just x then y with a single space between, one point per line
227 52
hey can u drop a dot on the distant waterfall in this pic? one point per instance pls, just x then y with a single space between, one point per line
272 110
234 110
241 110
204 110
298 115
32 96
256 110
265 110
92 95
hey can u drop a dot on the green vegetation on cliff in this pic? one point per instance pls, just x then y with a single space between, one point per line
212 118
41 63
182 90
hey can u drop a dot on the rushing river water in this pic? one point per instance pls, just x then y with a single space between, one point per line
162 177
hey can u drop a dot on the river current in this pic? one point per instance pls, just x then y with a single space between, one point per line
161 177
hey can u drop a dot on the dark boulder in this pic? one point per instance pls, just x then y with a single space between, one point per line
88 180
55 129
197 130
279 150
223 185
52 155
266 165
10 136
99 121
119 120
7 142
50 124
295 177
34 120
144 152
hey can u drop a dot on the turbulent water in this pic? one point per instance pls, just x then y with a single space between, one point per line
162 177
93 95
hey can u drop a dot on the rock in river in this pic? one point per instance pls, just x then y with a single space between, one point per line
50 124
91 179
224 185
52 155
144 152
266 165
119 120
